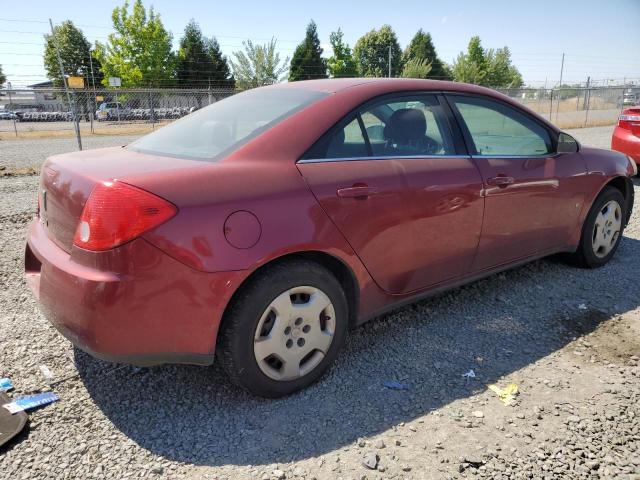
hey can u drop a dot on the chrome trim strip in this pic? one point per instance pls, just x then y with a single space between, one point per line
519 157
359 159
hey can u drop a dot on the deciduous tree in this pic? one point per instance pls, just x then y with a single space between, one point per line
341 63
307 62
492 68
416 68
139 52
258 65
75 51
371 53
3 77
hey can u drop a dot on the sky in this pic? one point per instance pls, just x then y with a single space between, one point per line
600 39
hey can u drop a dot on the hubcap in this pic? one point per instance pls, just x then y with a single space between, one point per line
294 333
607 228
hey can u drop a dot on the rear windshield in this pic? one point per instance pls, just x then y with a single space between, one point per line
216 130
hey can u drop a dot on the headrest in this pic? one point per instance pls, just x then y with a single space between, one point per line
406 124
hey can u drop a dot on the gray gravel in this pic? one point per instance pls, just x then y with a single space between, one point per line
569 338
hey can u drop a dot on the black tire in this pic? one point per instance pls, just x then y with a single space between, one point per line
585 256
235 350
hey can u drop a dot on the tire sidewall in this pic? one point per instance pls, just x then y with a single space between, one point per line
247 314
587 234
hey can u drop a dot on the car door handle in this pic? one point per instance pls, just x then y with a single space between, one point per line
357 191
500 181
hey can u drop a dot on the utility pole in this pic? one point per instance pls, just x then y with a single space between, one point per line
389 61
66 86
560 88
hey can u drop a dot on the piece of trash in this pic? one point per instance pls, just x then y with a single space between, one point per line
478 414
31 401
46 373
582 306
507 394
6 384
469 374
370 460
396 385
456 414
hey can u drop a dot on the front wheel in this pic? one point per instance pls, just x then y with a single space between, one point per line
602 230
284 329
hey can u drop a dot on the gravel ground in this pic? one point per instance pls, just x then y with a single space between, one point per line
569 338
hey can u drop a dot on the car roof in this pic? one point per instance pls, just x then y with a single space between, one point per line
335 85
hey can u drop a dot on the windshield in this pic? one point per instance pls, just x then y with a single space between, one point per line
215 130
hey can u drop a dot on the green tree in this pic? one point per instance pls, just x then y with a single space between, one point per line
75 51
258 65
422 50
371 53
416 68
3 77
139 52
501 72
341 63
200 61
307 62
491 68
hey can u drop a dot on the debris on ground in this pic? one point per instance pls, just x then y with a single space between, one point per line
507 394
469 374
31 401
396 385
5 384
370 460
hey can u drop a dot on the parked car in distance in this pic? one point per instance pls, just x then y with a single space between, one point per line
109 111
626 135
631 97
260 229
7 115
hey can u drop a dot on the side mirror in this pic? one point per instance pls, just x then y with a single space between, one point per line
567 144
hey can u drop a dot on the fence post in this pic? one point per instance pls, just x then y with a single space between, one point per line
551 105
76 126
15 128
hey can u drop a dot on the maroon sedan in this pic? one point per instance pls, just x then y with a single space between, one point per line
263 227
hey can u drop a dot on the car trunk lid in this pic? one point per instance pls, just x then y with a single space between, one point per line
66 181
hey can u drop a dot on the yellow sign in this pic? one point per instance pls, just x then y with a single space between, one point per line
75 82
99 98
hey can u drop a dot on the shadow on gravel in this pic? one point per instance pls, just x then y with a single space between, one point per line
495 327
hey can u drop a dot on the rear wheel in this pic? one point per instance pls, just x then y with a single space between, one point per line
602 230
284 330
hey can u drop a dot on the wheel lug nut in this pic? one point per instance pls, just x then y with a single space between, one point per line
287 330
301 342
306 329
289 343
298 321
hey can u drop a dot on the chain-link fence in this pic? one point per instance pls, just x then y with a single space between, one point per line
575 107
48 113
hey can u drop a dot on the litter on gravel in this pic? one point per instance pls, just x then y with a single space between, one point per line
5 384
31 401
507 394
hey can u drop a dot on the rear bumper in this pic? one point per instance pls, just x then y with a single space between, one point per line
626 142
133 304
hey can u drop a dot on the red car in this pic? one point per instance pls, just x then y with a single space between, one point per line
261 228
626 135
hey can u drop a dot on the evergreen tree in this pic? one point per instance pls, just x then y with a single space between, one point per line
3 77
307 62
341 63
422 50
491 68
200 62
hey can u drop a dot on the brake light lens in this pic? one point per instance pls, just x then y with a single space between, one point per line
629 122
116 213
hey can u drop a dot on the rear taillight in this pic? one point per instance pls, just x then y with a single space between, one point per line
116 213
629 122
